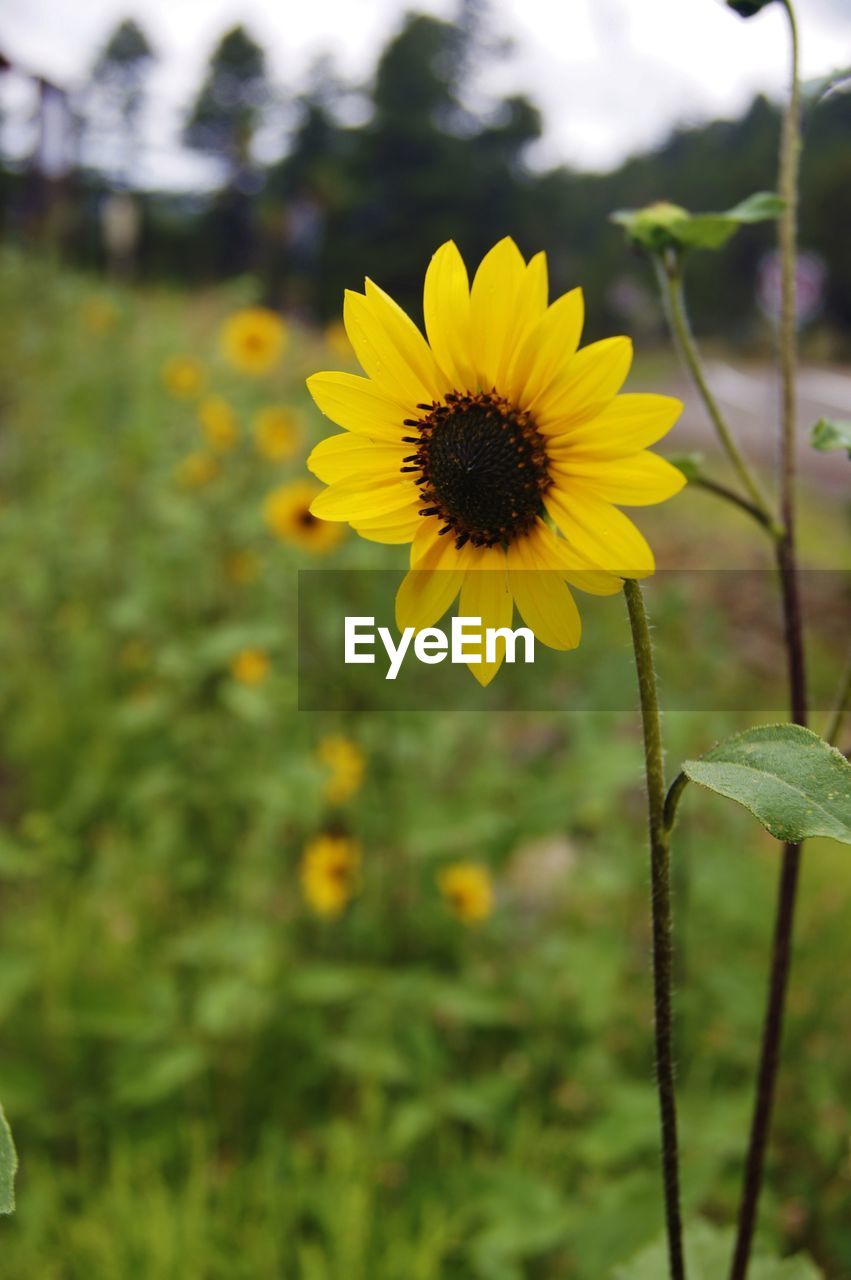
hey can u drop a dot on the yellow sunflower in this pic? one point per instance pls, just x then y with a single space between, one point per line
182 377
253 339
218 422
196 470
250 666
467 890
345 763
276 432
497 445
287 513
329 871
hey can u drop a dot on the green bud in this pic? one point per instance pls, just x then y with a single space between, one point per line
653 227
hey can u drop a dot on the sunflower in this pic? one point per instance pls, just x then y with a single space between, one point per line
329 870
467 890
182 377
345 764
276 432
218 422
253 339
287 513
250 666
497 445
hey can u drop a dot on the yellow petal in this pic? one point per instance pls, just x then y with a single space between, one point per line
446 307
360 499
544 352
590 380
629 423
543 599
346 456
358 405
389 528
428 590
600 533
386 349
485 594
639 481
554 553
493 309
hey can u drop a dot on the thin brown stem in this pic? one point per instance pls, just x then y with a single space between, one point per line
660 880
787 567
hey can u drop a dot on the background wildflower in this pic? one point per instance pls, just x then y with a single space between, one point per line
467 890
196 470
287 513
346 765
250 666
183 377
218 423
253 340
276 432
329 869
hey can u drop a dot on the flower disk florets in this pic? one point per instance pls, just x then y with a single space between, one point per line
483 467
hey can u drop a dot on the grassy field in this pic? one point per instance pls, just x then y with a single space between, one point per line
209 1079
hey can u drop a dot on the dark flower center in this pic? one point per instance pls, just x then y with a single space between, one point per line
483 467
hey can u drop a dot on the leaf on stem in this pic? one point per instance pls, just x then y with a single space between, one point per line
828 434
8 1166
786 776
668 226
691 465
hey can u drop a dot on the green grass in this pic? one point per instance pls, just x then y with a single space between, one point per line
205 1081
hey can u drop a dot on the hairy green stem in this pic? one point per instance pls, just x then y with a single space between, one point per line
660 880
669 273
772 1035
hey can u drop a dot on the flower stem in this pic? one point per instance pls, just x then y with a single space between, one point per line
669 273
660 878
840 710
787 568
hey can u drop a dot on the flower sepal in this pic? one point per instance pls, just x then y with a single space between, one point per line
662 226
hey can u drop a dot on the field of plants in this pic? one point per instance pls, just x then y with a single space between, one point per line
355 997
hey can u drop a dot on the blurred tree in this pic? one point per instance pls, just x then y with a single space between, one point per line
113 102
230 103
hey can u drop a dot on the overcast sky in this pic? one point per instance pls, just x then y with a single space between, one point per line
611 76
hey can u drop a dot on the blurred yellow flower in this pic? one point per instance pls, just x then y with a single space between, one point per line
345 763
253 339
218 422
338 340
196 470
276 432
250 666
242 567
329 870
468 891
182 377
135 655
100 315
286 511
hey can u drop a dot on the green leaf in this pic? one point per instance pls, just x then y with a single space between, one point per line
8 1166
829 434
791 781
708 1251
661 226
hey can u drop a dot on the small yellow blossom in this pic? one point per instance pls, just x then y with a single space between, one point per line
242 567
287 513
329 870
218 422
276 432
196 470
100 315
253 339
338 341
468 891
345 763
250 666
182 377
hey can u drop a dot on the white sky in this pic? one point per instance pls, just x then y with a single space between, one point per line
611 76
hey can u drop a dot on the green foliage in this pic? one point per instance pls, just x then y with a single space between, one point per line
667 226
8 1165
792 781
691 464
829 434
708 1252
